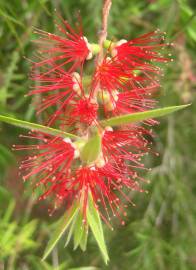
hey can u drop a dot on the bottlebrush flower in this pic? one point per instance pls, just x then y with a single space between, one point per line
121 84
70 47
92 174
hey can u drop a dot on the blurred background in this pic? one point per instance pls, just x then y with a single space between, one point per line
159 232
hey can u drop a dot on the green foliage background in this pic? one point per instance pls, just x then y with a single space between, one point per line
159 231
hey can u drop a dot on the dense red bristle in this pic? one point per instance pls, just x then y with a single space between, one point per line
110 75
129 86
140 51
50 163
69 47
136 100
57 91
83 111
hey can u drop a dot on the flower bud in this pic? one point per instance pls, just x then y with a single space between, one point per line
90 54
114 50
76 82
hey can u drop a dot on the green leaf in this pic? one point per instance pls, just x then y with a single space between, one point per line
9 212
63 225
96 227
91 149
71 230
37 127
79 230
83 241
135 117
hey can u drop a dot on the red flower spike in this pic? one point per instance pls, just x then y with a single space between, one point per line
122 84
69 47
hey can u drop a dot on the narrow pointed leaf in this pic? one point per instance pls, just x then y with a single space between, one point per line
37 127
141 116
91 149
79 230
71 230
62 226
83 241
96 227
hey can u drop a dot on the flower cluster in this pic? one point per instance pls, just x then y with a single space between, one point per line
123 82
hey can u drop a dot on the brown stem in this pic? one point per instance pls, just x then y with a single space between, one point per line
102 37
103 33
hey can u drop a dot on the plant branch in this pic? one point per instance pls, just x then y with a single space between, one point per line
103 33
102 37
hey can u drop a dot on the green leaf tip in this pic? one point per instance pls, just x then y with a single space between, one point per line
73 219
37 127
141 116
61 228
95 224
80 232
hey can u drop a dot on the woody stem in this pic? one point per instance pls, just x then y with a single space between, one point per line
103 33
102 36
